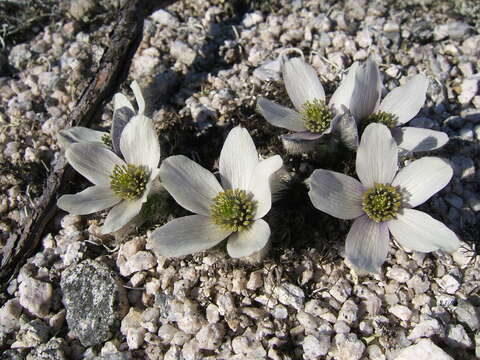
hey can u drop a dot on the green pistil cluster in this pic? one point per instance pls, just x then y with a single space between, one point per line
107 140
382 117
233 210
381 202
317 116
129 181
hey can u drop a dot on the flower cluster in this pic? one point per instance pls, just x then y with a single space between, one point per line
123 165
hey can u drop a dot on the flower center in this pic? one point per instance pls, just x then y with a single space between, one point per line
382 117
233 209
317 116
129 181
107 140
381 202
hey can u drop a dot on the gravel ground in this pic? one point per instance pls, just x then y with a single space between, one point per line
202 64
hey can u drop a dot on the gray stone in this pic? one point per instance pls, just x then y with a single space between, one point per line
348 347
54 349
10 315
182 52
454 200
290 295
82 9
425 349
469 89
454 30
117 356
449 284
348 312
426 328
463 167
163 17
95 301
468 314
313 346
401 311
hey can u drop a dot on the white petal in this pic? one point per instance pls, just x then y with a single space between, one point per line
120 215
260 184
280 116
406 101
139 142
90 200
377 156
423 178
120 101
413 139
343 95
185 236
367 92
418 231
79 134
301 82
248 242
138 96
93 161
336 194
238 159
367 244
121 117
191 185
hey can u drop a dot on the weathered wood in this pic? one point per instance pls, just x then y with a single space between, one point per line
113 69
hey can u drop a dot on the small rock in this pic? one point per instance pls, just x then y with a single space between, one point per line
463 167
468 314
247 345
401 311
252 19
142 260
457 337
469 89
36 296
255 281
348 347
163 17
348 312
182 52
95 301
425 349
210 336
81 9
290 295
31 334
398 273
135 337
54 349
314 347
426 328
166 333
10 315
454 30
449 284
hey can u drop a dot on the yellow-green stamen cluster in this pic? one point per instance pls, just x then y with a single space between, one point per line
381 202
107 140
233 210
129 181
317 116
382 117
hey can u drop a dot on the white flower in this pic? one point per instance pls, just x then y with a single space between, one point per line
233 209
313 117
123 111
397 108
123 184
383 200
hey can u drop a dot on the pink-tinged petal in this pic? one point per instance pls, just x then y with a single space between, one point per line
336 194
367 92
120 215
238 159
280 116
139 142
248 242
259 184
418 231
377 156
186 235
422 178
367 244
406 101
412 139
191 185
90 200
94 161
301 82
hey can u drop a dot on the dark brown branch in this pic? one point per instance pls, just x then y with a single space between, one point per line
114 65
